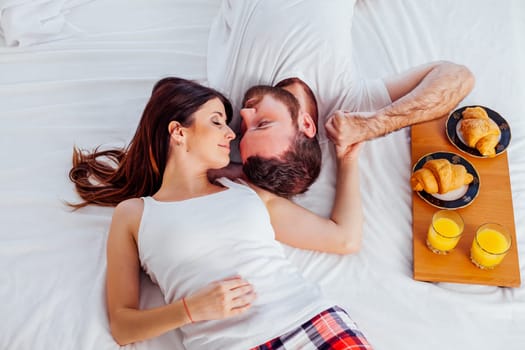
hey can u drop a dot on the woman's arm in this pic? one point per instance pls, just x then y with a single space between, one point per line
339 234
128 323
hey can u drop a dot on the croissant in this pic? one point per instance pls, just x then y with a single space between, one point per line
487 145
423 179
475 113
440 176
475 126
474 129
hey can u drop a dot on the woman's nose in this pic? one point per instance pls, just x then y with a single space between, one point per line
230 135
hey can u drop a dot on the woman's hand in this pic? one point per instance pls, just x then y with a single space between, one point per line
221 299
345 130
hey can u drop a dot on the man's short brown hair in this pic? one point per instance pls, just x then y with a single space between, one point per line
311 103
298 167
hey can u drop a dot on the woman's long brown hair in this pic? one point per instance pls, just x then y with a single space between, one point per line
107 177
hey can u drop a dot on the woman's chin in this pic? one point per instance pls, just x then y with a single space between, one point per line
221 165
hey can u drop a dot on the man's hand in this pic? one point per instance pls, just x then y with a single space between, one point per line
347 131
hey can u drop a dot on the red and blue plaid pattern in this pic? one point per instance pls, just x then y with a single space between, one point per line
331 329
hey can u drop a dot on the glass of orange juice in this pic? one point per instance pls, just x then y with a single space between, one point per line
490 245
445 231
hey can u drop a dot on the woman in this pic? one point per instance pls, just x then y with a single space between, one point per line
211 247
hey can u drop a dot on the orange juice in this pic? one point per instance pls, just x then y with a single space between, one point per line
489 247
443 234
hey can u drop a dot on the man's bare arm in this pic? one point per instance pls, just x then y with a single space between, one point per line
421 94
439 91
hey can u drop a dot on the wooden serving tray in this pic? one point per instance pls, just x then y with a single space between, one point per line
493 204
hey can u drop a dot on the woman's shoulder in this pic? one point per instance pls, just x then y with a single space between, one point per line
127 216
129 209
130 205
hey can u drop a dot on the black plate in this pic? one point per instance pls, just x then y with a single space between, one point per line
472 190
451 126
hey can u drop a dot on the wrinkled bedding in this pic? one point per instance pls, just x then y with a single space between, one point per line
90 87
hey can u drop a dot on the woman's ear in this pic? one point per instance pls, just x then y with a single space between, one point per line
307 124
176 131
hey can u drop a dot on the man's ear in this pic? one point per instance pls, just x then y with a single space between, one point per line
306 124
176 131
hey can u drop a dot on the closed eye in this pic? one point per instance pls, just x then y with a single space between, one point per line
218 118
263 124
218 122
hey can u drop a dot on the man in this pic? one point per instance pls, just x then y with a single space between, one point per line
305 49
278 148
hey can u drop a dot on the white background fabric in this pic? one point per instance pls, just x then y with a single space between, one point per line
29 22
90 89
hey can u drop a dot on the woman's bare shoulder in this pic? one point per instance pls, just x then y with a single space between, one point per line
130 206
129 212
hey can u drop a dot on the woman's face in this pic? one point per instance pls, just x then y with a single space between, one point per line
208 138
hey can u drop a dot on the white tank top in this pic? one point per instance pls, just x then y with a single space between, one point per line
185 245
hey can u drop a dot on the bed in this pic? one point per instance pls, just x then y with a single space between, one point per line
82 77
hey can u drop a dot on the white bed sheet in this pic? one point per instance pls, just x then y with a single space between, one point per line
91 89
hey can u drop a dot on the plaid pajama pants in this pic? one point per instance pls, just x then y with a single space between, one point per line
331 329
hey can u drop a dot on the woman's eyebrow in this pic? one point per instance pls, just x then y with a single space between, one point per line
219 113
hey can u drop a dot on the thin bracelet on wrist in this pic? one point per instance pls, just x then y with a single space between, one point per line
187 310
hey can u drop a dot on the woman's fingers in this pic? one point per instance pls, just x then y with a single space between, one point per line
331 130
234 277
237 289
223 298
335 127
240 310
238 295
242 296
237 292
233 282
244 301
